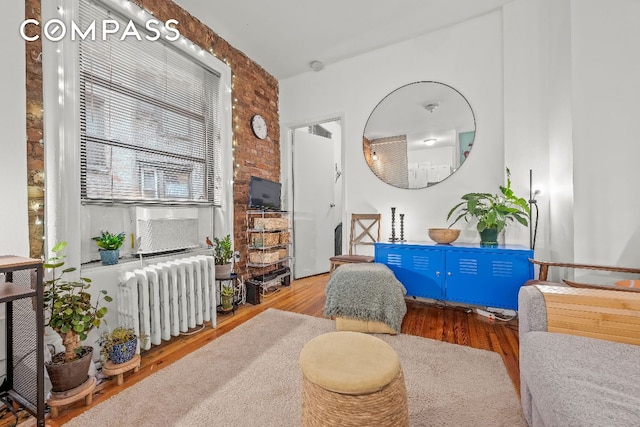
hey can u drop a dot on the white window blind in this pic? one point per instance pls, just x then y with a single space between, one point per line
150 127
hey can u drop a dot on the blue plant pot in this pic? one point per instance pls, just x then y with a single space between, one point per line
109 257
123 352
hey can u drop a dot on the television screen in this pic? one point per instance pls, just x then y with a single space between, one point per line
264 194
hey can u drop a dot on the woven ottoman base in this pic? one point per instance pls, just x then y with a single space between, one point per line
387 407
352 379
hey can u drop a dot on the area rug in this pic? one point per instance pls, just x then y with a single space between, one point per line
250 377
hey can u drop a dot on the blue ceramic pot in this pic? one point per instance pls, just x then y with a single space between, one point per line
109 257
123 352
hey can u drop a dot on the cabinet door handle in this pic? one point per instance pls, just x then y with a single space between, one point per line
437 274
448 273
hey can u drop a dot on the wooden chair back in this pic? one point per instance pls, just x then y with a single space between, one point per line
365 230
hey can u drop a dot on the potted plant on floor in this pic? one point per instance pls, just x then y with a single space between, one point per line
119 345
72 315
223 254
492 211
109 245
226 297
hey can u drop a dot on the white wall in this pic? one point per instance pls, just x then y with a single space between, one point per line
467 57
554 87
571 103
14 234
606 93
538 114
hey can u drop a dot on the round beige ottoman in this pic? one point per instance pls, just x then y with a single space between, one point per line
352 379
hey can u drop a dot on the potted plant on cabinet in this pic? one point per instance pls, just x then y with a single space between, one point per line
492 211
109 245
223 254
72 315
119 345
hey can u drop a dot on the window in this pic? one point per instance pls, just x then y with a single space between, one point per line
149 119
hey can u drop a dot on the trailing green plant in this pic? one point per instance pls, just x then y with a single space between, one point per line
492 211
68 305
108 241
222 251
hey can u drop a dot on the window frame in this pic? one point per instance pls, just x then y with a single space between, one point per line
61 93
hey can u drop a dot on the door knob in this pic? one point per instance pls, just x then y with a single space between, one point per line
332 205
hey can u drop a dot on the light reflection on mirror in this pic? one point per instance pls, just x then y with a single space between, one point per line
419 135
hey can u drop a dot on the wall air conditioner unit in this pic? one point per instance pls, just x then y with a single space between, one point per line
165 229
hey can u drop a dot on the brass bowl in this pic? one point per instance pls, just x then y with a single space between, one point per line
444 235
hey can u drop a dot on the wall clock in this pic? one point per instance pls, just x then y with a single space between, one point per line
259 126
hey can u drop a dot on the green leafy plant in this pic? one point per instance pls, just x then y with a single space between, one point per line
222 251
68 304
108 241
227 290
226 297
492 211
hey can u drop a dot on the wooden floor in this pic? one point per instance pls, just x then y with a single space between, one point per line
306 296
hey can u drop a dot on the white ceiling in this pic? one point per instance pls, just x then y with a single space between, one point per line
283 36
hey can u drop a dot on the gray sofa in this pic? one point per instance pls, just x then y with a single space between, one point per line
572 380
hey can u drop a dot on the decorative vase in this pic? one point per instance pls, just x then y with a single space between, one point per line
109 257
489 237
66 376
223 270
124 352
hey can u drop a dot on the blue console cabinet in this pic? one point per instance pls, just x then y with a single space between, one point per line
464 272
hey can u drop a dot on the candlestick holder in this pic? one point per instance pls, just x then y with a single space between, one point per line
393 225
402 227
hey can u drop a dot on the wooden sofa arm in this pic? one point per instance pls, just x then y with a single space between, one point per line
544 267
605 314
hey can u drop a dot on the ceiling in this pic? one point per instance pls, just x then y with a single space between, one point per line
284 36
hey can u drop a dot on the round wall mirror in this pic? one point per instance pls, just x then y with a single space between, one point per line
419 135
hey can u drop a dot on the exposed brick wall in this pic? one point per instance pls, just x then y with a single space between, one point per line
254 92
35 150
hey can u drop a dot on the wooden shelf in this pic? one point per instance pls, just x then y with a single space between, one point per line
10 292
12 262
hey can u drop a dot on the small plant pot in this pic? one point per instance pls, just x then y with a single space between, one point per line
109 257
121 353
489 237
66 376
226 302
223 270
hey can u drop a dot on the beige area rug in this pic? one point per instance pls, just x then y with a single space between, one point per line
250 377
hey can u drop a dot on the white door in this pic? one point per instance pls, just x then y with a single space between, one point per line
313 203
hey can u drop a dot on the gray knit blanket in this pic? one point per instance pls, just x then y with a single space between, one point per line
366 291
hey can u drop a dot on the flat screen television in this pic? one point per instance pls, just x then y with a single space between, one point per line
264 194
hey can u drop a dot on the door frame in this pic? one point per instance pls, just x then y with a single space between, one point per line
286 166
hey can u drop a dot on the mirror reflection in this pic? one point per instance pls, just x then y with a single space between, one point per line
419 135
